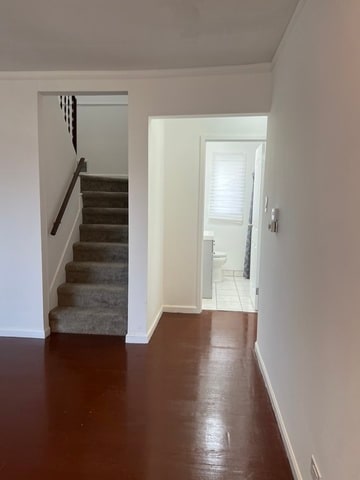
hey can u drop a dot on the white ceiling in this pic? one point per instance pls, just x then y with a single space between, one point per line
139 34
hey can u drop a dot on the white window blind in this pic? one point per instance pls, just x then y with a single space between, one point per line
227 187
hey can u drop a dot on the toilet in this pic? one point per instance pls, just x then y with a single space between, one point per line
219 260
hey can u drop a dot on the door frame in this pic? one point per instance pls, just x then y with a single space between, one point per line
202 172
259 191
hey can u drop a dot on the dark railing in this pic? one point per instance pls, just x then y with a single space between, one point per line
68 105
80 167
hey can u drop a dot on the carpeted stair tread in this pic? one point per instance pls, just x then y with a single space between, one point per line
105 199
94 298
99 183
97 232
100 252
95 321
90 295
114 273
113 216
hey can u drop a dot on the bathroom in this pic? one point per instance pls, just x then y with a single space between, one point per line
228 228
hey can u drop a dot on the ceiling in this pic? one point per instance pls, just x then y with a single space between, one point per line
139 34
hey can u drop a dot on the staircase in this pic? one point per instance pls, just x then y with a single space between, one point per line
94 298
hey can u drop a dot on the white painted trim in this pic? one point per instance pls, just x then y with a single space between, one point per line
134 74
279 418
200 223
214 115
181 309
294 19
25 333
201 204
143 339
152 329
137 339
69 241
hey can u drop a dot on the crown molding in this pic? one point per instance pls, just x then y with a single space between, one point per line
136 74
293 21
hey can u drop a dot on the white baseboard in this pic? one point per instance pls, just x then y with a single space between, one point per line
25 333
280 421
143 339
139 339
154 324
181 309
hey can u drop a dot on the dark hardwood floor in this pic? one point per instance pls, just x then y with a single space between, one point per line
191 405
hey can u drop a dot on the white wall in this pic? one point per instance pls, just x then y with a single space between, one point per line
193 92
309 285
21 306
230 237
183 185
102 133
156 222
57 164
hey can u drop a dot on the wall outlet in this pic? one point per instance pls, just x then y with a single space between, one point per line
315 472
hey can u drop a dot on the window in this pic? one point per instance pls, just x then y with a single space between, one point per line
227 187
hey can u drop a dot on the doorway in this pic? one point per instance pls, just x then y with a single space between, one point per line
84 211
176 196
233 182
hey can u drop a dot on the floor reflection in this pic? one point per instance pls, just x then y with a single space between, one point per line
190 405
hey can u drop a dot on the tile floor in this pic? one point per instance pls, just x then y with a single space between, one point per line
231 295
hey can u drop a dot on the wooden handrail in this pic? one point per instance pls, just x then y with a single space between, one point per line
67 196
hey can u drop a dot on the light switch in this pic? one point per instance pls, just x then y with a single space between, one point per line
274 224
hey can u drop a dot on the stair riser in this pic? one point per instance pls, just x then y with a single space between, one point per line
110 276
93 299
99 327
93 322
99 235
101 255
88 184
107 218
105 202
